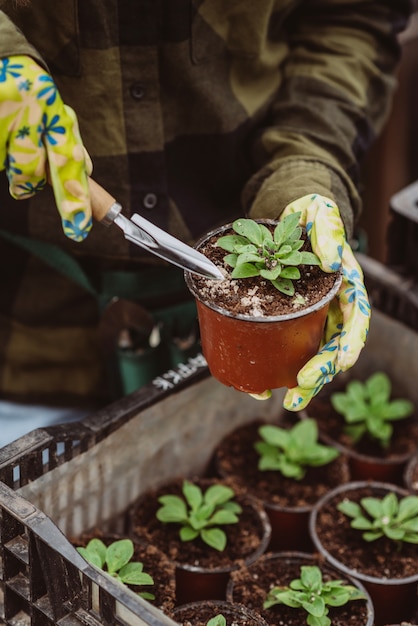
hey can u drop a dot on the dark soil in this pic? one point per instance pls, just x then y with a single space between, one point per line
404 440
380 558
244 539
235 456
251 585
155 563
199 613
255 296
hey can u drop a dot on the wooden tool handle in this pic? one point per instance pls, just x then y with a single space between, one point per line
101 200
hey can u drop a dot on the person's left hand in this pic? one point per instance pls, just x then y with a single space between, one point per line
349 313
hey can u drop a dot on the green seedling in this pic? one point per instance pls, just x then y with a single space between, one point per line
218 620
201 513
384 517
255 251
292 451
311 593
367 408
115 560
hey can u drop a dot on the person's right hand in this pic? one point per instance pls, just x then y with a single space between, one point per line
40 141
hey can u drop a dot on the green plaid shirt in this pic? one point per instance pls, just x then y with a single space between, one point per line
194 112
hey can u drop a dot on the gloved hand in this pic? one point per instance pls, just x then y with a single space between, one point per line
349 313
40 140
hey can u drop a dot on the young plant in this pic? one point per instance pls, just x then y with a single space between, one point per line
311 593
291 451
200 514
367 408
256 251
115 560
218 620
384 517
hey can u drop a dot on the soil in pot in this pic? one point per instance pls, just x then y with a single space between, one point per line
202 572
254 337
287 501
388 572
199 613
368 460
155 563
250 586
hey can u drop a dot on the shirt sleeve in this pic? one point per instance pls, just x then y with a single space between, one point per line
13 42
339 78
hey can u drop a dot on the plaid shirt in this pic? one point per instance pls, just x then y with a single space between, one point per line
194 112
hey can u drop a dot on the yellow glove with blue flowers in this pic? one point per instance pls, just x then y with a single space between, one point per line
349 313
39 140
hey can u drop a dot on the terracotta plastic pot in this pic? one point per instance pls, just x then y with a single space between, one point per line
394 599
253 354
198 583
198 613
251 584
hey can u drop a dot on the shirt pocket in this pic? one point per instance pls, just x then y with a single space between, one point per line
52 28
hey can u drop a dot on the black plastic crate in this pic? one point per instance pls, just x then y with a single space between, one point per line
60 481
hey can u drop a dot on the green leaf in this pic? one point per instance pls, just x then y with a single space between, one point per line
311 576
274 435
408 508
246 270
97 548
315 606
174 509
218 494
378 387
223 517
284 285
187 533
118 554
286 227
214 537
231 259
293 258
250 229
290 272
349 508
193 495
133 574
91 557
218 620
309 258
230 242
271 274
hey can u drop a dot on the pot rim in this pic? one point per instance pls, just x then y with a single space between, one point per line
188 276
347 487
311 557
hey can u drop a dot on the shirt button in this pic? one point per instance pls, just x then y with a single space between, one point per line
137 91
150 200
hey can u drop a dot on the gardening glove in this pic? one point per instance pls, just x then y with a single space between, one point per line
41 141
349 312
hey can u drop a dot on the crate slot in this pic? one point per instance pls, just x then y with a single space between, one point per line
19 548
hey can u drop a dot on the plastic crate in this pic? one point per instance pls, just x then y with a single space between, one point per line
60 481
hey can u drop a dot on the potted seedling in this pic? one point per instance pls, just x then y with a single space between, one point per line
378 433
369 530
299 588
287 468
314 595
206 527
265 320
116 560
216 613
140 566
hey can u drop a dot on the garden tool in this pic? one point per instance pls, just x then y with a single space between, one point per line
143 233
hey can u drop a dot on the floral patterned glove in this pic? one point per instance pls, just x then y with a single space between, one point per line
349 313
40 139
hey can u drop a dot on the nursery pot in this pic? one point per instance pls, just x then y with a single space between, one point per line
250 585
253 354
199 613
411 474
194 583
288 502
394 599
364 466
202 572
